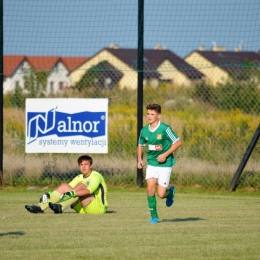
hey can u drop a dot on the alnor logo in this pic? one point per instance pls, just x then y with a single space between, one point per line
53 122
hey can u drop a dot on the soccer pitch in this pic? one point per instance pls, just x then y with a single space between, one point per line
199 225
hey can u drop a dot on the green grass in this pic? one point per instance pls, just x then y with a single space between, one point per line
199 225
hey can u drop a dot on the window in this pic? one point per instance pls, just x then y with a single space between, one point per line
61 85
51 87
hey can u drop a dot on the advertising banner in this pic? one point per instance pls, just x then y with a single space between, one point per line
66 125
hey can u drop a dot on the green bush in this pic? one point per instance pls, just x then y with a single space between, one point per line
243 95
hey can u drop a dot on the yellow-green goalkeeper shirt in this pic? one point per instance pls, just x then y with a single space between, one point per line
95 183
159 141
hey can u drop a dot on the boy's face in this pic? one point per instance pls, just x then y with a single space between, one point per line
85 167
152 116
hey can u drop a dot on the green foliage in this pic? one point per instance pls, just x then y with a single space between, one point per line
122 137
217 140
35 82
171 97
18 99
15 100
204 92
245 96
245 71
17 132
231 95
250 178
206 181
101 76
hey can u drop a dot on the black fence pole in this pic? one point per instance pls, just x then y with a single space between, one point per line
243 162
140 67
1 92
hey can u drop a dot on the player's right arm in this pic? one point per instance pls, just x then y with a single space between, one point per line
140 147
140 162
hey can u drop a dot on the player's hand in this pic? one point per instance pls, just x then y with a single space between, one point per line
44 198
140 164
68 195
161 158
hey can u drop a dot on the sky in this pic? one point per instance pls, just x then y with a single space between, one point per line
84 27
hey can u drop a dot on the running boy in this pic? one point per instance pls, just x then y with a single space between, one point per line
86 193
162 141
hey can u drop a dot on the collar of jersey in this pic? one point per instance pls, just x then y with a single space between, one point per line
155 127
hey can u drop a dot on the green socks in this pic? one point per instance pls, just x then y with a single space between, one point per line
55 198
152 206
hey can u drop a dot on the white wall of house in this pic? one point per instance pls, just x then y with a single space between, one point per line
58 80
17 79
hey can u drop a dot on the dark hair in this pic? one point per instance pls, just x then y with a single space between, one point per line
154 107
85 158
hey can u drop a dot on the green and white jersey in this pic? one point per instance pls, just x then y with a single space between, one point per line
95 184
159 140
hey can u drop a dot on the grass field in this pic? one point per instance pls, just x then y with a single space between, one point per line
199 225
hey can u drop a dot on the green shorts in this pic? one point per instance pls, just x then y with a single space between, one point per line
94 207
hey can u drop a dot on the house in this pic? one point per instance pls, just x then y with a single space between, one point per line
159 65
219 65
57 74
56 70
14 66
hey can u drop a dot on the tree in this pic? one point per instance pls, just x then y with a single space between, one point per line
35 82
102 75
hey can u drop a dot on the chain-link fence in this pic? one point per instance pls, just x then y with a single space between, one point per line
210 95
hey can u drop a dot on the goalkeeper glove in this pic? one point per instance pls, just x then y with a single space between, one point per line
68 195
44 198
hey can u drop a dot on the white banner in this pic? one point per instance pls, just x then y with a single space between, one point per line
66 125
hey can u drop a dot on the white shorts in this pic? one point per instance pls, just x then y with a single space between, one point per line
162 174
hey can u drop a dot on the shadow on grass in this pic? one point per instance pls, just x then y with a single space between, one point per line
108 212
18 233
181 219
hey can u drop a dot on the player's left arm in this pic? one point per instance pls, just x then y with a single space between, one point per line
83 189
78 191
173 148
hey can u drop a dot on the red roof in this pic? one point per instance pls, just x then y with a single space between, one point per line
71 63
45 63
39 63
11 62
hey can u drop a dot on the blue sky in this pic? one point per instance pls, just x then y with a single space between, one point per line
83 27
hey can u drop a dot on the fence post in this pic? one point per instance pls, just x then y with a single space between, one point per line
140 79
244 160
